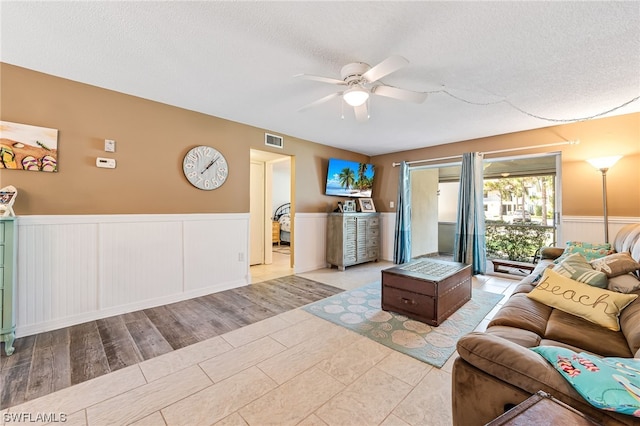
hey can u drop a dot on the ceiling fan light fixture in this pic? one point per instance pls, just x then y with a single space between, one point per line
355 96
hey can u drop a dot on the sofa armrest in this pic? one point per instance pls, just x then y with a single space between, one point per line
551 252
513 364
492 371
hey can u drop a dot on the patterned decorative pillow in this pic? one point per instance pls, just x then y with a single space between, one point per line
606 383
615 264
589 250
593 304
624 283
576 267
285 223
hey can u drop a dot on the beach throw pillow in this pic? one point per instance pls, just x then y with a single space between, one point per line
593 304
607 383
576 267
590 251
615 264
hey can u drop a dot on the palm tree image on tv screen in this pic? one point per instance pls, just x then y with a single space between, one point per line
349 178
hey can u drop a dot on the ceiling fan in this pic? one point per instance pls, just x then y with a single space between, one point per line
362 80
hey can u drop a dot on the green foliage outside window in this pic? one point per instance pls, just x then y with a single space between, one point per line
515 242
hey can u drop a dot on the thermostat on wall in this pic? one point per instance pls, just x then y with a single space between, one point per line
107 163
110 145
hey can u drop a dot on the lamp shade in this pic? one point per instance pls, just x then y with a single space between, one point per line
355 96
604 162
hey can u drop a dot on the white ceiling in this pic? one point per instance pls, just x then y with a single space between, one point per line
236 60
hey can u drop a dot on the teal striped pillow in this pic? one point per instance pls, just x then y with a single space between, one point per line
576 267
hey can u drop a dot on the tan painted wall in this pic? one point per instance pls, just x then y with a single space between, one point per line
151 141
581 183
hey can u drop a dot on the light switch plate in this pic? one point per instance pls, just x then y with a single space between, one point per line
109 145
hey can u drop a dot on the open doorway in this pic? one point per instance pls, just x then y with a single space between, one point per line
270 256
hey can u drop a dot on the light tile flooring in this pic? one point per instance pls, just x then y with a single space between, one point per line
291 369
279 268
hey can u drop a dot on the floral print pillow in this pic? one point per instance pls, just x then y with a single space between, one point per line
606 383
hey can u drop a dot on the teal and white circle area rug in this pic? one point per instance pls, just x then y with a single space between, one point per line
360 310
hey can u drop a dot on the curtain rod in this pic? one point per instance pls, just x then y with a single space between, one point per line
573 142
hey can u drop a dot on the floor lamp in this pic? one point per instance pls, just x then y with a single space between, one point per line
603 164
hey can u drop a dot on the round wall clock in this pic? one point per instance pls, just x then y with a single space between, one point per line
205 167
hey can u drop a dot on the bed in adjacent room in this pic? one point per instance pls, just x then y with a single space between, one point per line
283 217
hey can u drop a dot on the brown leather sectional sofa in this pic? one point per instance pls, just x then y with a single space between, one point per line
496 370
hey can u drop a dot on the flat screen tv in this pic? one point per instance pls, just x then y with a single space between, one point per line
349 178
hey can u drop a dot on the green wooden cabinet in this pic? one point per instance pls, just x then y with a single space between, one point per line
7 282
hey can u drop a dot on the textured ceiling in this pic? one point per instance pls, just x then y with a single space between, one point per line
236 60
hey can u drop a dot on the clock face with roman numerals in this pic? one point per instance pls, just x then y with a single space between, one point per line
205 167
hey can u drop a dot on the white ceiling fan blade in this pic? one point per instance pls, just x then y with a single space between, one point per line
320 101
321 79
401 94
386 67
362 112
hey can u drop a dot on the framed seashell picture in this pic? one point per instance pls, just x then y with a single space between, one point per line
26 147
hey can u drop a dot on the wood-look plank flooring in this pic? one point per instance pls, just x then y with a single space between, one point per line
47 362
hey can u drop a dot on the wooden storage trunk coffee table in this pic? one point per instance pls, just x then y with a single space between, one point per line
427 290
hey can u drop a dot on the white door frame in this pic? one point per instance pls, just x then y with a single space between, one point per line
267 160
257 205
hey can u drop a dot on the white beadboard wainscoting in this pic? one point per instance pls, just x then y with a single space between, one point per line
72 269
591 228
387 235
311 230
309 242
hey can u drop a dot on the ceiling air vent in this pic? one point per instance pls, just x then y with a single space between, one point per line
273 140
